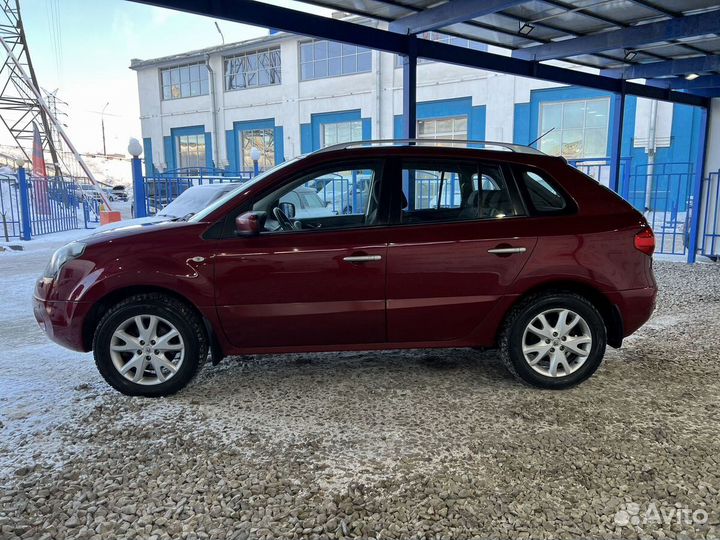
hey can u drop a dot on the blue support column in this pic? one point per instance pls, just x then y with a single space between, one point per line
25 220
616 141
697 187
409 91
138 188
409 118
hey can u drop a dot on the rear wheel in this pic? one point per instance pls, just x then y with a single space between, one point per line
553 340
149 345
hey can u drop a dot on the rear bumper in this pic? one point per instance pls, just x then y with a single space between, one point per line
636 306
62 321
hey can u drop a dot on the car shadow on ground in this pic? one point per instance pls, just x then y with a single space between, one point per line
376 369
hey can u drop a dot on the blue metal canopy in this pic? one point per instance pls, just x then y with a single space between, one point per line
662 41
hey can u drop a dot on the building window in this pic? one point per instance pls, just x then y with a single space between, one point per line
191 152
451 127
184 81
340 132
579 128
263 140
444 38
319 59
256 68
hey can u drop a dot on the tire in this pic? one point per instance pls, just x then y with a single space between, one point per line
517 333
183 351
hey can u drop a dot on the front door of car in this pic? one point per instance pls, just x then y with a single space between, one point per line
319 283
457 246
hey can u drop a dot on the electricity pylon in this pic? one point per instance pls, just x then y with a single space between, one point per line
18 102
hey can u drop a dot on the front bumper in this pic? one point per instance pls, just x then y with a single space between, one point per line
62 321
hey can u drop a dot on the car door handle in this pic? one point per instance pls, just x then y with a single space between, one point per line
362 258
507 250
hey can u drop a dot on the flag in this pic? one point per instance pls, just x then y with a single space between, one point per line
39 174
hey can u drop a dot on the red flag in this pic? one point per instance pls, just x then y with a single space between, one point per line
39 174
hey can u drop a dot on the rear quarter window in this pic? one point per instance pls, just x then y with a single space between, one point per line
543 196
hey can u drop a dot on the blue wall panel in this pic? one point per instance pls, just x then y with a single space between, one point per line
310 138
147 151
169 150
521 124
305 138
233 138
231 150
279 145
428 110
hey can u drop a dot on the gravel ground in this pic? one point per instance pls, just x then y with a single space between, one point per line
414 444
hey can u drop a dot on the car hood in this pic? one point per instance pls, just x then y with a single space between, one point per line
143 221
130 232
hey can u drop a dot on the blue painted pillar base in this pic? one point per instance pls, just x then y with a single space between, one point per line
25 215
138 188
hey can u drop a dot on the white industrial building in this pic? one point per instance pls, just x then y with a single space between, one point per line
287 95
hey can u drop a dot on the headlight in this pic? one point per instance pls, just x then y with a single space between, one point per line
63 255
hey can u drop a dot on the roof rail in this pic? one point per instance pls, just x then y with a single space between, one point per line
481 145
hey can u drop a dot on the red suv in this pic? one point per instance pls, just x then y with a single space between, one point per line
449 245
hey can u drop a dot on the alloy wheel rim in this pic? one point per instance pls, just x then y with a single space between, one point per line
557 342
147 349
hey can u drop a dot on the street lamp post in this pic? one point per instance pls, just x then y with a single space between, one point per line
102 125
255 155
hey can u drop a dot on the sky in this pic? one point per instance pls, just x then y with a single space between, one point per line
83 49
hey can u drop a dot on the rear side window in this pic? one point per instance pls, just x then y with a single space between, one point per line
435 192
543 196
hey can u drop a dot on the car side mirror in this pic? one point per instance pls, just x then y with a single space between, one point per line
250 223
287 208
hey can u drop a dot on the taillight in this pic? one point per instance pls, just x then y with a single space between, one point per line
645 241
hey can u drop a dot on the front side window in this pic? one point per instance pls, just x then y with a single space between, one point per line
320 59
577 129
340 132
454 193
191 152
451 127
252 69
320 198
184 81
263 140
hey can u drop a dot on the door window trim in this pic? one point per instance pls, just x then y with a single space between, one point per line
378 164
570 207
395 167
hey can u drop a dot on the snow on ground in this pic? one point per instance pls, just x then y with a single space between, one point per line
411 444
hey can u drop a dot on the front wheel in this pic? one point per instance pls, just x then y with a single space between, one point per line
553 340
149 345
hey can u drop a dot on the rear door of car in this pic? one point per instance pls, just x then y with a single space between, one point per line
457 245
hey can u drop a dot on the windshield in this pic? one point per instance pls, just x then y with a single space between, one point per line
240 189
192 200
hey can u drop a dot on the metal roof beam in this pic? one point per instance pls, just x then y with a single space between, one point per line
709 81
682 66
297 22
625 38
451 12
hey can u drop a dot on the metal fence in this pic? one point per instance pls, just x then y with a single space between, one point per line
9 207
710 217
661 191
32 206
